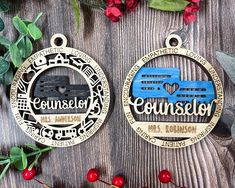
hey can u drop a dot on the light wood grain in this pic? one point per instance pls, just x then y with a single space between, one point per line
116 148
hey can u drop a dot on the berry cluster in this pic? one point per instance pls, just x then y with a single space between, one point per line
114 9
190 11
93 175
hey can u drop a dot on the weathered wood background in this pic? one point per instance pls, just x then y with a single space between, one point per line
116 148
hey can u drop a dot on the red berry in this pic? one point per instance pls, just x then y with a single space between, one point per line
164 176
92 175
118 181
28 174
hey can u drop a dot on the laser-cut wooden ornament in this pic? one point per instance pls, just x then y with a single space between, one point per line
146 86
49 107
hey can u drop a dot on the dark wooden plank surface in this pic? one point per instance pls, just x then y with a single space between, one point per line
116 148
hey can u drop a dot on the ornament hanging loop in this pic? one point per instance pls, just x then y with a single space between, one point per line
58 40
173 41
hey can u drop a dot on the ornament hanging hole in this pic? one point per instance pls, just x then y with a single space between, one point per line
58 40
174 41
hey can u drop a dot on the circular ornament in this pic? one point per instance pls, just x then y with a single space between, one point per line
168 107
60 96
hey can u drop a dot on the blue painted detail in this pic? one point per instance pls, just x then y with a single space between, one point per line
150 82
202 91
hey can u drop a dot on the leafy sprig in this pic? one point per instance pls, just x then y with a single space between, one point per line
168 5
165 5
4 7
19 158
77 13
19 50
100 4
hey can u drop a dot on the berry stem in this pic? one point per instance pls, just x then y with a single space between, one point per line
40 151
38 181
45 185
104 182
174 184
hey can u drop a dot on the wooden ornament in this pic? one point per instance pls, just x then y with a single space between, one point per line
48 106
155 93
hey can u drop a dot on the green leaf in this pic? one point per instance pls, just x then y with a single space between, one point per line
20 25
4 5
34 31
18 158
27 22
2 25
4 65
5 169
168 5
15 55
26 47
228 63
5 42
24 159
76 10
6 78
35 148
15 152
